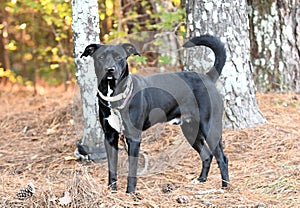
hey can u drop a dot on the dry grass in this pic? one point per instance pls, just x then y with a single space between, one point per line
38 136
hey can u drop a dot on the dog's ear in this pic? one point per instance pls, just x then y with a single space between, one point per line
130 49
90 49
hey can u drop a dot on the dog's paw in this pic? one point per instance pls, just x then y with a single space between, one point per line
113 187
195 181
198 180
201 179
225 184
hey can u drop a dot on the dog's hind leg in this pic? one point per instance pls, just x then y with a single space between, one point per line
214 141
133 157
206 162
196 140
222 161
111 146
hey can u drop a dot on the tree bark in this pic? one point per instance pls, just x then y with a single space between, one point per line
85 26
228 20
275 43
4 59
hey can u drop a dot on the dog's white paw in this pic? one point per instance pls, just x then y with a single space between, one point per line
195 181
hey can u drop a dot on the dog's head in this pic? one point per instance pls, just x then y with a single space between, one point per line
110 60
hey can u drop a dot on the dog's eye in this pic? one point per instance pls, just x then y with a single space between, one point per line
101 57
118 58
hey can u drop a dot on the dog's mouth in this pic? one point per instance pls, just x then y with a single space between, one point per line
110 77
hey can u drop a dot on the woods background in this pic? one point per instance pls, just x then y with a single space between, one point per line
39 130
36 37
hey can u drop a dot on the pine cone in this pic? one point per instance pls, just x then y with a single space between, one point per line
168 187
183 199
26 192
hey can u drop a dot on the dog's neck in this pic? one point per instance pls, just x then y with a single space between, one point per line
113 93
121 86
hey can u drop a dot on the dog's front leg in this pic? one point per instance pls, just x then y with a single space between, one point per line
111 146
133 158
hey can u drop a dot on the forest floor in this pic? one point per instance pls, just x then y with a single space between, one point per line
38 134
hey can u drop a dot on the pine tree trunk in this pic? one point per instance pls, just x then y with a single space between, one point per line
275 43
228 20
85 31
4 59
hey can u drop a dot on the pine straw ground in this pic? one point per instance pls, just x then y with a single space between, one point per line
38 136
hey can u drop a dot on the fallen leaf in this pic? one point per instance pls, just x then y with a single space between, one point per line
68 158
65 200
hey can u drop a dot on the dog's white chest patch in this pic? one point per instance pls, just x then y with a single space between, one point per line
115 120
176 121
109 91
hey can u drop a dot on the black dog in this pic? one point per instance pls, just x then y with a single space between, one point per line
130 104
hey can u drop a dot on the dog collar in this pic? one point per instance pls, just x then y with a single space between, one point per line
126 94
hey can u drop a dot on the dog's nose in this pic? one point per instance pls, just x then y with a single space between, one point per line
111 69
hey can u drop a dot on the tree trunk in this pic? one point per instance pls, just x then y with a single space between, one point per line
275 43
4 59
85 31
228 20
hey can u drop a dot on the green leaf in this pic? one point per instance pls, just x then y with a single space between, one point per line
164 60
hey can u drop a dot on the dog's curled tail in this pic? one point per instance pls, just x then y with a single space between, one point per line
216 46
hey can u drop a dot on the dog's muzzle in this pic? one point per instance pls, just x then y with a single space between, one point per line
110 73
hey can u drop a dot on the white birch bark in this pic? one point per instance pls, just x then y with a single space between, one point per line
275 41
226 19
86 30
